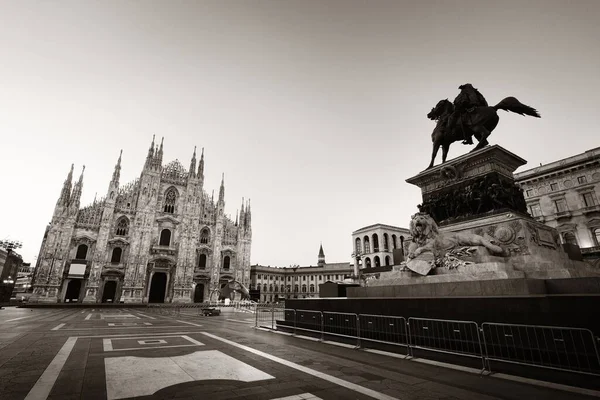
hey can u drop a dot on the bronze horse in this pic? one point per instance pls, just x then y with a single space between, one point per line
480 122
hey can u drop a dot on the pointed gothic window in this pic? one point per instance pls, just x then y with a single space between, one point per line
81 252
202 261
116 255
205 236
226 262
165 238
122 227
170 200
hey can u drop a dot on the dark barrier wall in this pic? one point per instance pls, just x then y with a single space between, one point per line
576 311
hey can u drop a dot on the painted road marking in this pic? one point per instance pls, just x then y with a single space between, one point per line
153 374
44 385
189 323
107 344
57 327
16 319
88 317
306 370
242 321
128 324
147 316
128 327
152 341
303 396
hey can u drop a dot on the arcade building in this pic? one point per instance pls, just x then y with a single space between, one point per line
160 238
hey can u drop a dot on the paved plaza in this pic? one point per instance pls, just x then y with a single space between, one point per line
125 353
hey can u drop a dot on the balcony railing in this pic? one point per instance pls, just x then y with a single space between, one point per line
563 214
591 209
593 249
170 250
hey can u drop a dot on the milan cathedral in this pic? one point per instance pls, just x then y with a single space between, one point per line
160 238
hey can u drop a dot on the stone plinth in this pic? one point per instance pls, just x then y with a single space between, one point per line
474 184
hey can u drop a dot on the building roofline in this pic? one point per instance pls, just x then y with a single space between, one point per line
587 156
379 225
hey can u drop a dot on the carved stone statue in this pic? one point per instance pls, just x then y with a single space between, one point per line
431 248
469 116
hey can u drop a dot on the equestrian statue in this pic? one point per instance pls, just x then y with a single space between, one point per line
469 116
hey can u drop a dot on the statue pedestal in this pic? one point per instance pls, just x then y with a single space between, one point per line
475 194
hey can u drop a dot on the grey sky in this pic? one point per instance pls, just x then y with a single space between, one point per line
316 110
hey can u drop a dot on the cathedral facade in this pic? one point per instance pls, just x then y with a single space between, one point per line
160 238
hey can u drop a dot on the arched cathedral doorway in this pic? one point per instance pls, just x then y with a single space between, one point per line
158 288
110 290
199 293
73 291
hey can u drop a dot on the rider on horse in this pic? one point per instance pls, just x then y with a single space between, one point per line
466 101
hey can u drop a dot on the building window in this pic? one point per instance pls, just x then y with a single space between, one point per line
596 234
337 277
312 277
588 199
377 262
357 246
320 277
569 237
202 262
265 287
375 242
529 192
312 288
535 210
581 179
226 262
165 238
394 242
116 255
296 288
561 205
367 262
289 278
304 287
81 252
385 242
258 276
554 187
170 200
122 227
387 261
304 278
205 236
367 245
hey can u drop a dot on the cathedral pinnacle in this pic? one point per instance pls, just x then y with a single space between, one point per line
201 165
222 189
65 194
193 164
117 171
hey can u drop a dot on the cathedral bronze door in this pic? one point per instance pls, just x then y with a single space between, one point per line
73 290
158 288
110 289
199 293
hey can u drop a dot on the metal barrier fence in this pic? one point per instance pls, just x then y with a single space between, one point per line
566 349
446 336
572 349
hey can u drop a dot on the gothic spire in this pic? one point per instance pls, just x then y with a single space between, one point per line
193 164
117 171
321 256
76 195
150 156
201 165
222 189
65 194
236 217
